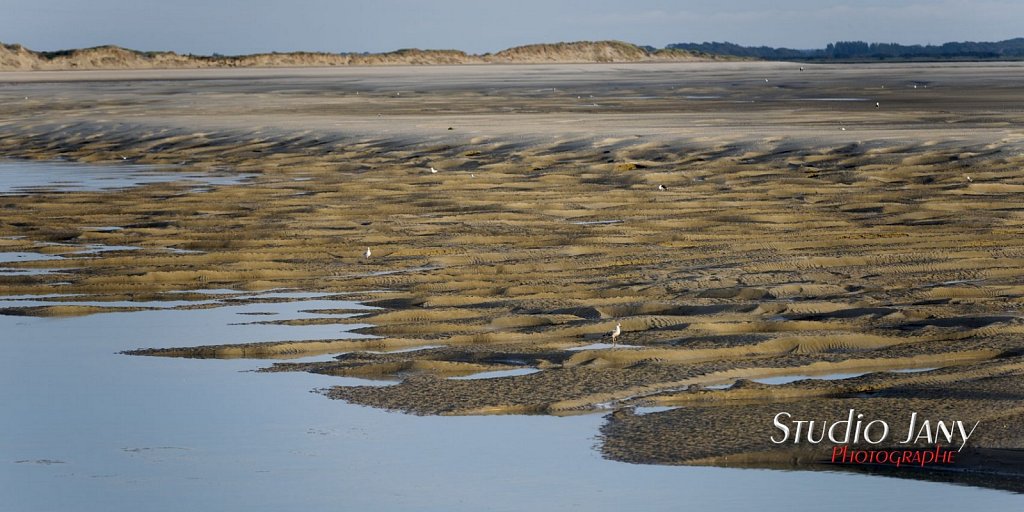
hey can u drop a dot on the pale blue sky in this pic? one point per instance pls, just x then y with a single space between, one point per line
247 26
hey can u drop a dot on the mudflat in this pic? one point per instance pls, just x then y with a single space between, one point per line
769 238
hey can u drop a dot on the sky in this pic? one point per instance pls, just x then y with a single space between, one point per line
478 26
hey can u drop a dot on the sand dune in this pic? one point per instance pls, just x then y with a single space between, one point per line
15 57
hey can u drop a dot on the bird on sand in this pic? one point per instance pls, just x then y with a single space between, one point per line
969 180
367 253
617 332
877 104
433 171
662 187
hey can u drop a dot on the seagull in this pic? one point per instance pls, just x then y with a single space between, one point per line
765 80
662 187
969 180
801 68
877 105
472 175
616 332
433 171
367 253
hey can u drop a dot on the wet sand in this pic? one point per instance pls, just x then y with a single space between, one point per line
804 231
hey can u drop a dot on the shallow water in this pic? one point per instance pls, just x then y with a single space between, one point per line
786 379
497 374
14 257
22 177
86 428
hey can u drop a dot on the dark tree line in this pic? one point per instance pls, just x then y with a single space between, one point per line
1010 49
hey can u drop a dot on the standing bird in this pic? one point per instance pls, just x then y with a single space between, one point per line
617 332
433 171
877 104
367 253
969 180
662 187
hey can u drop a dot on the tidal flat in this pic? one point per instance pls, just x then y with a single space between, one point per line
770 239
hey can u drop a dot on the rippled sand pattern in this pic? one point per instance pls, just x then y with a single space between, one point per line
796 235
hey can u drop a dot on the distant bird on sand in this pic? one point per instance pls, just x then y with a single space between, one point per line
801 68
877 104
433 171
617 332
969 180
662 187
367 253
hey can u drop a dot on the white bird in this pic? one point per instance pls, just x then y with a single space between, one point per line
472 175
877 104
367 253
616 332
765 80
969 180
433 171
801 68
662 187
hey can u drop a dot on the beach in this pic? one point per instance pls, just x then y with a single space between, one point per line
770 238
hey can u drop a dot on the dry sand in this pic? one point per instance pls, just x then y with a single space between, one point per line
803 231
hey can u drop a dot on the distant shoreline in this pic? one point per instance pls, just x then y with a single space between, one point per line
15 57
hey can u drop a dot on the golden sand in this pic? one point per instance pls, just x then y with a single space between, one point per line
783 244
